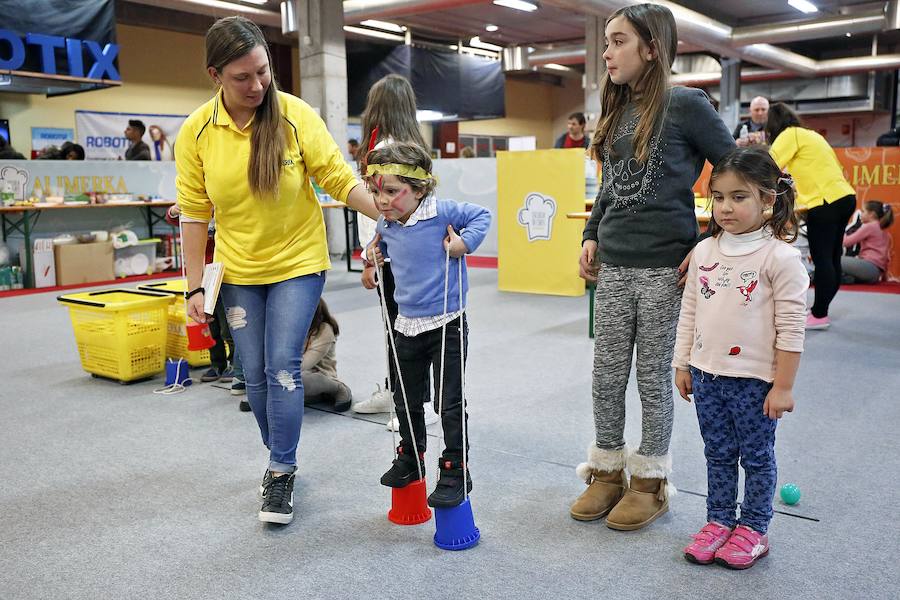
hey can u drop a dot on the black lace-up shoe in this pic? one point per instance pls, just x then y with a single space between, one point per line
404 470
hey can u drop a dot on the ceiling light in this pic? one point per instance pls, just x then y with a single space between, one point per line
428 115
383 25
491 28
517 4
848 34
556 67
476 42
256 2
804 6
372 33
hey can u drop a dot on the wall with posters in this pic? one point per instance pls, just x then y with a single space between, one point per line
103 138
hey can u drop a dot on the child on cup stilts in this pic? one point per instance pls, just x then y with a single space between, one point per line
415 231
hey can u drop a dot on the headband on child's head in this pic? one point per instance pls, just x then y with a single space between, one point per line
400 170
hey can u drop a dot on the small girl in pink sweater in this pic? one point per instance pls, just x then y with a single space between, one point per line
737 349
875 245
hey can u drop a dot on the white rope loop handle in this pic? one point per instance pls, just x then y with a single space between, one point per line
393 349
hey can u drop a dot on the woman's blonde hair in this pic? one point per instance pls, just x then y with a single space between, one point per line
391 107
656 27
227 40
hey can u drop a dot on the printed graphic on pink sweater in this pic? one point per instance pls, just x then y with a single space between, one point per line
706 290
750 281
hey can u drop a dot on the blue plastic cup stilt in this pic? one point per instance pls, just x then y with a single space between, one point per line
178 371
455 527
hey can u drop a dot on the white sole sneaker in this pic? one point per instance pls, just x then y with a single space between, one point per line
378 402
431 418
279 518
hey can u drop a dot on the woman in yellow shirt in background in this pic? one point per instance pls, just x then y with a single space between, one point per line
249 153
823 191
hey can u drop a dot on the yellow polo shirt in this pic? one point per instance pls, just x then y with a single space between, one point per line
811 161
260 240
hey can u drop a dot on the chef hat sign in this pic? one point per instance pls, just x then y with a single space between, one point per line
537 216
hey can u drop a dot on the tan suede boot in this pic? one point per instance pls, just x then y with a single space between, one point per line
645 500
601 496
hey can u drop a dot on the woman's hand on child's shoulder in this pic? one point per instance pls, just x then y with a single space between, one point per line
587 268
778 402
683 383
455 243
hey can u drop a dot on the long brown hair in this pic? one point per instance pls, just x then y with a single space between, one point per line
322 315
757 167
780 118
656 27
391 107
227 40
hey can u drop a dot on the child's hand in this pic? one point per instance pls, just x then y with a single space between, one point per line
173 211
683 269
683 383
778 402
586 267
373 251
368 278
455 243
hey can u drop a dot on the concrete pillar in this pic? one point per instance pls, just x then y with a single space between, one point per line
323 81
730 92
594 68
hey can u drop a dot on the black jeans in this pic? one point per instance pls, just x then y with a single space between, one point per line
418 354
825 230
219 356
393 310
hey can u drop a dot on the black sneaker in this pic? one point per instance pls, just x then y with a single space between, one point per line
213 374
262 486
278 500
403 471
227 375
238 387
449 489
244 406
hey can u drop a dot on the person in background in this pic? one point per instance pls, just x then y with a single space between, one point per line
875 245
389 117
73 152
823 191
756 124
320 380
7 152
574 136
353 147
161 149
138 150
467 152
222 352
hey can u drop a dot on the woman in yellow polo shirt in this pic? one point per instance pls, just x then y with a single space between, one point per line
248 153
823 191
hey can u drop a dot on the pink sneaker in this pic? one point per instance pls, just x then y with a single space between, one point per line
816 322
706 542
743 548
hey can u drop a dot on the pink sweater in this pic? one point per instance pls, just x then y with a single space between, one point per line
744 298
874 244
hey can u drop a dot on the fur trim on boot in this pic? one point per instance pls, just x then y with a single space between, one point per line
649 467
600 459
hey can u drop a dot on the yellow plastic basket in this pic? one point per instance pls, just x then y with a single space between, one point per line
176 339
120 334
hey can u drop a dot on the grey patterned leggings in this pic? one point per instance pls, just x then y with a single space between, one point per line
635 306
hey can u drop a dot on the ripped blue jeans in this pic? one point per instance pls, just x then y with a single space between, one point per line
269 324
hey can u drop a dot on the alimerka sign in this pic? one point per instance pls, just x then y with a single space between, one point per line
13 53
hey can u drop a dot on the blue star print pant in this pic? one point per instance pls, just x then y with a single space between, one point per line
734 427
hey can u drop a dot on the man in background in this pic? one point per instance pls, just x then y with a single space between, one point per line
352 147
574 136
756 124
138 150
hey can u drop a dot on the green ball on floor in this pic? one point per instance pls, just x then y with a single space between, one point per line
790 494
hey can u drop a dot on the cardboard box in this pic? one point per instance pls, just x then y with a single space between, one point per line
42 262
84 263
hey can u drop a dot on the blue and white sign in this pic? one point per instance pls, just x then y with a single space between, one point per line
102 134
41 137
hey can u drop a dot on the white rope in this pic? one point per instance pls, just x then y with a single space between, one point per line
393 348
175 387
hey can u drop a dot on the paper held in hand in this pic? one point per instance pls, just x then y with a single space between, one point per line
212 282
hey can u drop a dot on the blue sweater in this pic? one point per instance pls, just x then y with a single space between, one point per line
417 256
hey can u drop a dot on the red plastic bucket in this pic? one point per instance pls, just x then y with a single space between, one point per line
199 337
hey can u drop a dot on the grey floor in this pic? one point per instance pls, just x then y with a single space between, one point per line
111 491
